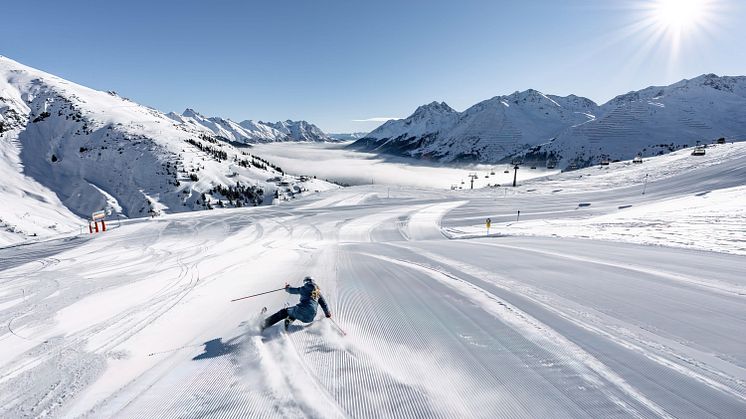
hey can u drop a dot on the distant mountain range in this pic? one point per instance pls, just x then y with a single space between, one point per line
569 130
251 131
348 136
67 150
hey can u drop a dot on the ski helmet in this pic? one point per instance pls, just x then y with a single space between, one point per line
308 279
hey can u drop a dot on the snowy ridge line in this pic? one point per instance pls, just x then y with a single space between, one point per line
737 388
249 131
537 332
711 285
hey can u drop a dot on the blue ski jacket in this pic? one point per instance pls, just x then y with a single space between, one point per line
310 298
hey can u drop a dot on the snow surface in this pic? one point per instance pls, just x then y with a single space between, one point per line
440 322
689 201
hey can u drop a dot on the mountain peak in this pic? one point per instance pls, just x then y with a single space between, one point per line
724 83
189 112
529 94
575 103
294 130
432 108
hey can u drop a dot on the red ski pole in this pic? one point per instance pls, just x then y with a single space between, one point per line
255 295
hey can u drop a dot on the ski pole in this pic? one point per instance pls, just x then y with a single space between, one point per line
340 329
255 295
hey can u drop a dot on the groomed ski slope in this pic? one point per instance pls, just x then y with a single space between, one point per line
442 320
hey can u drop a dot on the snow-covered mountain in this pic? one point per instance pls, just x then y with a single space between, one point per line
533 126
349 136
248 131
67 151
296 130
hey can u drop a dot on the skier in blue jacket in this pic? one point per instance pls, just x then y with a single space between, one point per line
305 310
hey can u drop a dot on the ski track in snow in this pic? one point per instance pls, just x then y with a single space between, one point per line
136 322
543 336
662 350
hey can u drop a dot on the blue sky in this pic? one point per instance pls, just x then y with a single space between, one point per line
336 61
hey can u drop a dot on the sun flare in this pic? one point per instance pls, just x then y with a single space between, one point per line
680 15
679 25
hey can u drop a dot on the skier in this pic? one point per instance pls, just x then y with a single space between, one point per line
305 310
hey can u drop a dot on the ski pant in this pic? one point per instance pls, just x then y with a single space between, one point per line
280 315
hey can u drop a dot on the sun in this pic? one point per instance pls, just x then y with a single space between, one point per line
668 30
680 15
683 23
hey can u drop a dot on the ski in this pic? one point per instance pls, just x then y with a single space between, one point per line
260 319
338 328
